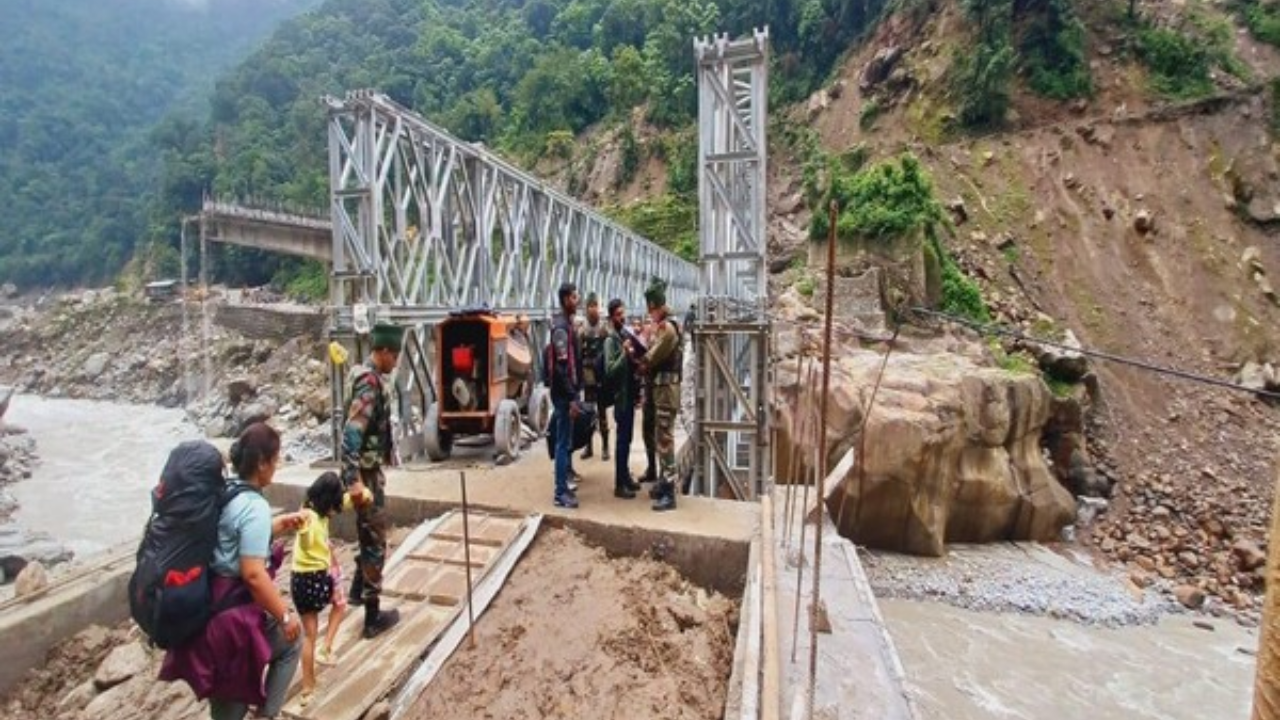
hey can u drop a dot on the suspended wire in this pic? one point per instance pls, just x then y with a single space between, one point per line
993 329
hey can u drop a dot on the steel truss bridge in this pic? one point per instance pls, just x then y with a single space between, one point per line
422 224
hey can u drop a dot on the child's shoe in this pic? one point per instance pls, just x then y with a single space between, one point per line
325 657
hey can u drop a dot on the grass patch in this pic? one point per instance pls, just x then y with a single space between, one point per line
1179 66
806 285
1053 53
1180 58
668 220
1059 388
1263 21
1275 107
887 200
869 114
960 295
307 279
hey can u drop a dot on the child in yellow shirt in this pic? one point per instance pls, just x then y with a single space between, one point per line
317 578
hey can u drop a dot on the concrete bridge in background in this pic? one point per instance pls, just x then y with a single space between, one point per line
277 231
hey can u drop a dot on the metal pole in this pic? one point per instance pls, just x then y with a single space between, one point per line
1266 682
800 428
804 503
466 544
823 460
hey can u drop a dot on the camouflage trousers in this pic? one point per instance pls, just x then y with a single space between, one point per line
666 403
648 428
371 530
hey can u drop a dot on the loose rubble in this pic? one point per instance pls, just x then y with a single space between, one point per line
102 674
1007 578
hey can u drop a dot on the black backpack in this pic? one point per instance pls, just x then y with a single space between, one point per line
583 428
170 591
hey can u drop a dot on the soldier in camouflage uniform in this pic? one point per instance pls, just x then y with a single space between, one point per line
647 428
592 335
366 447
662 366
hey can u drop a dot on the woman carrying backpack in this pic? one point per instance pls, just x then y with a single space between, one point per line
253 627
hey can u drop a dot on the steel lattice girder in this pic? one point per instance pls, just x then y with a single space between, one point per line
731 334
424 223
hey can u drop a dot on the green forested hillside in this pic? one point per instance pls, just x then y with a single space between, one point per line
517 74
82 83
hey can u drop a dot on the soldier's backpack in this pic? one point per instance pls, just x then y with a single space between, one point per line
170 591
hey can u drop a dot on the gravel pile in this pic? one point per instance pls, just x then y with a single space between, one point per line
1005 578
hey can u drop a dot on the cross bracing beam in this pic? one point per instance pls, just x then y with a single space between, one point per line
424 223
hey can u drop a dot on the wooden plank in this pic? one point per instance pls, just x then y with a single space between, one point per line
410 580
428 584
491 532
347 695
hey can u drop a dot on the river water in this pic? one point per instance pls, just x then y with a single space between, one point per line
965 665
97 464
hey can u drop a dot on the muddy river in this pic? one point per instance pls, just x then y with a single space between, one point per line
97 463
965 665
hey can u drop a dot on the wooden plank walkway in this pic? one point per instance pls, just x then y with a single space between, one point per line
426 581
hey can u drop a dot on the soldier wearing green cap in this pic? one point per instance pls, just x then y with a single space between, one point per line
593 333
662 365
366 447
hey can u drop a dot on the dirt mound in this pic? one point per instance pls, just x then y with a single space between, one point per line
576 634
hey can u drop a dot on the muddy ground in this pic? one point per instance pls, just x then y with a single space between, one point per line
573 634
576 634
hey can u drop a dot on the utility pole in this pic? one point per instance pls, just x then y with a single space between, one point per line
1266 682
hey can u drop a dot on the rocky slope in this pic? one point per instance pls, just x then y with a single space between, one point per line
100 345
1146 228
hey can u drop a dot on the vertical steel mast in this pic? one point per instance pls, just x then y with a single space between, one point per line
731 331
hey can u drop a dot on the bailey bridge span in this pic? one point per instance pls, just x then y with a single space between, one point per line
421 223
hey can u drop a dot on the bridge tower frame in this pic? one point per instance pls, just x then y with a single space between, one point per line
731 330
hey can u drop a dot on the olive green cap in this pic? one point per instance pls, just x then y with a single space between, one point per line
387 336
656 294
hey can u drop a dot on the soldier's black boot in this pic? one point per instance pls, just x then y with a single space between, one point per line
378 621
666 499
604 446
586 454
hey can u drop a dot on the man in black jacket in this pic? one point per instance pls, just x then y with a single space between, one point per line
564 375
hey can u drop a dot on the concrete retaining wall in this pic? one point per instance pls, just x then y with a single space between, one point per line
262 322
31 626
715 563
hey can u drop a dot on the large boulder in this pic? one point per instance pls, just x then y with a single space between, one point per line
1064 361
952 451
